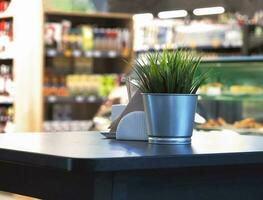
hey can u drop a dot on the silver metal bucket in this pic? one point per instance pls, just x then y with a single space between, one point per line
169 117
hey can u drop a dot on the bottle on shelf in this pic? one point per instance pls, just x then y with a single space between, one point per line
62 89
87 37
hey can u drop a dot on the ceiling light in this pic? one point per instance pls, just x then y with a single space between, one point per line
172 14
209 11
143 16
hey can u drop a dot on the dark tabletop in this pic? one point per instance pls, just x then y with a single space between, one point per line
91 151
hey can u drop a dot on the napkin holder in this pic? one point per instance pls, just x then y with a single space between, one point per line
132 127
130 123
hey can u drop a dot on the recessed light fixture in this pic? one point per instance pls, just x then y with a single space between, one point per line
143 16
209 11
172 14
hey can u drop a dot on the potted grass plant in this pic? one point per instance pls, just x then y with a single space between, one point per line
169 81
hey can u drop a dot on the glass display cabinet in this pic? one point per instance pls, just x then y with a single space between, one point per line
232 96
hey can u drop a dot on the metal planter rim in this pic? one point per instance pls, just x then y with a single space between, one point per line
169 94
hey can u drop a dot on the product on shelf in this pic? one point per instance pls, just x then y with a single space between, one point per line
211 89
4 5
63 65
85 40
6 118
257 19
173 33
214 123
87 37
84 53
6 35
55 86
87 85
83 65
79 85
247 123
6 81
53 34
246 89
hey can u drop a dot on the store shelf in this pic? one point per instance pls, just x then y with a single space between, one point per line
69 125
28 31
199 48
51 53
9 12
5 15
220 59
244 97
73 100
103 53
8 53
91 15
5 56
6 100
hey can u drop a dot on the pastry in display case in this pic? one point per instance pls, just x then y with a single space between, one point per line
217 89
245 89
220 123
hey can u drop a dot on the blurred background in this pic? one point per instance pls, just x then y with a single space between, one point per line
63 63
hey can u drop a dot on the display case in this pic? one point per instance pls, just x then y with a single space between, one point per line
232 96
